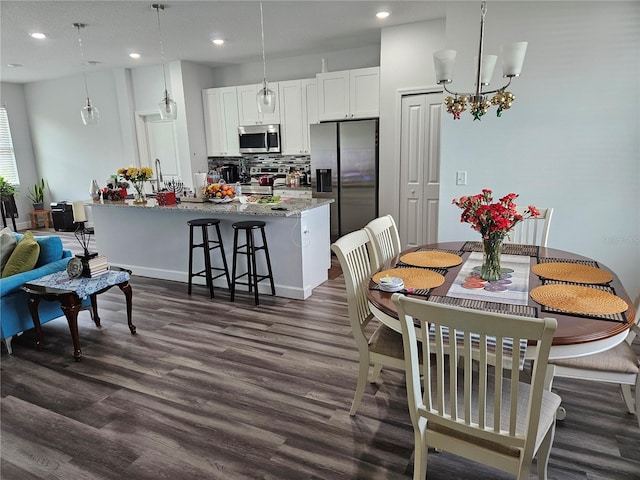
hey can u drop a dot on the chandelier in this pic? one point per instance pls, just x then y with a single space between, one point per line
89 113
479 101
168 108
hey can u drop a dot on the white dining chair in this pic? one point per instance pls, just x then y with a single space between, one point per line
479 410
384 345
385 238
619 364
531 230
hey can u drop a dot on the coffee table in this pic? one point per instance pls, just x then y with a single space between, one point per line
70 292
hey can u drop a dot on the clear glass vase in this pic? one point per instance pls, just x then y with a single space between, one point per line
491 248
138 195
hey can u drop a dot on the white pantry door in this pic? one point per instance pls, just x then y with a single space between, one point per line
419 168
157 139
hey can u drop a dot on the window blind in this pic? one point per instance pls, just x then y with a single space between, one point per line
8 168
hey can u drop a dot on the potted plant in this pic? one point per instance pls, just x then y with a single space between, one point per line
36 195
6 189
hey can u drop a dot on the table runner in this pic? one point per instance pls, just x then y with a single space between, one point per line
83 286
517 292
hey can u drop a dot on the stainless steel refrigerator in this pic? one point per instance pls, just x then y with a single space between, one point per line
344 167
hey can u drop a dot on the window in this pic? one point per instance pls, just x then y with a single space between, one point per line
8 168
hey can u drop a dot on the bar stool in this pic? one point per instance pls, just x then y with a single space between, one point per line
249 249
207 246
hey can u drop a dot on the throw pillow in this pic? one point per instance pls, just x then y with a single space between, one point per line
24 256
50 250
7 244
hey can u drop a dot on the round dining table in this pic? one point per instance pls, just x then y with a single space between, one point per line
575 336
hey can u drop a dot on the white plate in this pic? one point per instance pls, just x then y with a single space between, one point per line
391 282
394 288
221 200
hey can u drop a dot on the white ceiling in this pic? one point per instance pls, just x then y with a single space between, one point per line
117 28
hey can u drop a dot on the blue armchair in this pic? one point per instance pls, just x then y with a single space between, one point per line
15 317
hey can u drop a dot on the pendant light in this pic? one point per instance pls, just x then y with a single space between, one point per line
168 108
266 97
89 113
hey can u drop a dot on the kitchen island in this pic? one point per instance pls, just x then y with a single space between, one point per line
153 240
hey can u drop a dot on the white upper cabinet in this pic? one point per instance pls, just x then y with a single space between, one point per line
349 94
248 106
221 121
298 108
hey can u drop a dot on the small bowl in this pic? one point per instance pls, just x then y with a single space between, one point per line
391 281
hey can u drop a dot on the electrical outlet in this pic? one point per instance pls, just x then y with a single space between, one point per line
461 177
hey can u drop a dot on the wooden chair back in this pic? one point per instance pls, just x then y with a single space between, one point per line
480 410
385 238
532 231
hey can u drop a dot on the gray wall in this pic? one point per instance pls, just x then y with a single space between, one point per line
571 140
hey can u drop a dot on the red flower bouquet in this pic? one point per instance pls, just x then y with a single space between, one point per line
494 221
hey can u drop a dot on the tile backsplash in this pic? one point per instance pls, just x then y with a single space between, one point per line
298 162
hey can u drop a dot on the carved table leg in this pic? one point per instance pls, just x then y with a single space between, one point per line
71 305
33 308
94 309
128 294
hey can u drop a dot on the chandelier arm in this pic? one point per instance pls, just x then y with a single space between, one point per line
449 91
483 12
497 89
482 93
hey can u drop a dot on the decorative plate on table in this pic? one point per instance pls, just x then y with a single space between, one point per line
74 267
221 200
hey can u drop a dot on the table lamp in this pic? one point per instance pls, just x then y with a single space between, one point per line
83 235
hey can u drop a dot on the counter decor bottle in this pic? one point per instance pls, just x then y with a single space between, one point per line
94 190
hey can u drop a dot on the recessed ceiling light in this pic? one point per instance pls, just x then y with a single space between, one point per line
134 55
218 41
38 35
382 14
14 65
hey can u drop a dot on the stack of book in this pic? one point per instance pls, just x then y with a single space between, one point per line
96 266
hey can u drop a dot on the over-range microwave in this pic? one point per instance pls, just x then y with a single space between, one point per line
259 138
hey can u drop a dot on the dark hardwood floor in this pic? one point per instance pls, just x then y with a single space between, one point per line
210 389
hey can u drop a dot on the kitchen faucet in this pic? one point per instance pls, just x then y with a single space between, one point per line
158 175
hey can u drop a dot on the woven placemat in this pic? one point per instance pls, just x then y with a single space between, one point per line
507 248
431 259
578 299
418 278
441 271
523 310
590 263
572 272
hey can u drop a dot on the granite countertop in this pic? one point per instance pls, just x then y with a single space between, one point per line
286 208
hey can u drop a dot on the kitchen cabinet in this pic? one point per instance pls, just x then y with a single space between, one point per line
221 121
293 193
298 108
248 107
349 94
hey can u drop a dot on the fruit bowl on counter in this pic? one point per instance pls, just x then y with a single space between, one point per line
219 192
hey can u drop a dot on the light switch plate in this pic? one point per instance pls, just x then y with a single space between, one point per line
461 177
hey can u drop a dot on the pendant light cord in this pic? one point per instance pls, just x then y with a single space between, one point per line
164 73
84 69
264 62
